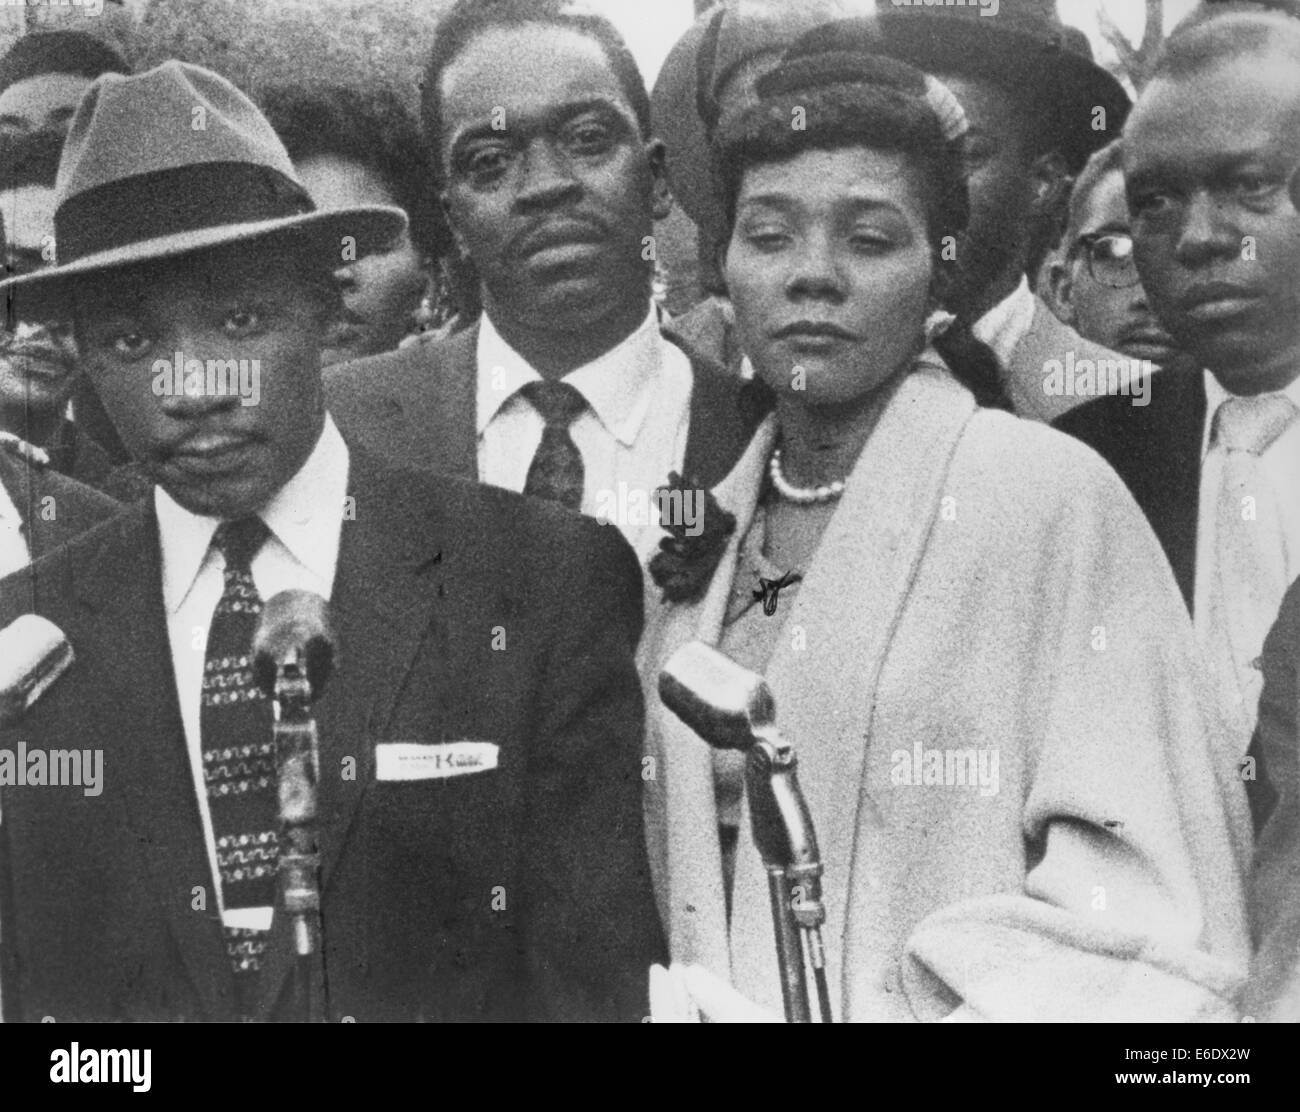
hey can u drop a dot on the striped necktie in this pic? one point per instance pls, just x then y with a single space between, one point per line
238 747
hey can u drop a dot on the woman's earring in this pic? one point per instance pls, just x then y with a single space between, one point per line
937 323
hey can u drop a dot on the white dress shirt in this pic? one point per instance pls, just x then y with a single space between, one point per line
305 518
1279 467
631 437
14 552
1006 324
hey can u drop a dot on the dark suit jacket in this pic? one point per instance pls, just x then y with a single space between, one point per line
416 407
518 893
1274 991
1156 450
72 507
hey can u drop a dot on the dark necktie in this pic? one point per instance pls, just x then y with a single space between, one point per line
556 471
238 748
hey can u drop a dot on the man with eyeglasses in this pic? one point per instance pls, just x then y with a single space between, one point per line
1095 283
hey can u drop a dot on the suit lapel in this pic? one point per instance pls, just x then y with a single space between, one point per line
724 415
382 609
444 415
139 719
1167 482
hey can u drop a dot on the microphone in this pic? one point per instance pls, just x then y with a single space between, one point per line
33 654
294 630
293 656
738 708
731 707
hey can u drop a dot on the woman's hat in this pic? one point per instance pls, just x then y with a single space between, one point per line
173 161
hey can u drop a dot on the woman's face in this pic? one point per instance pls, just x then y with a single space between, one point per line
381 291
829 271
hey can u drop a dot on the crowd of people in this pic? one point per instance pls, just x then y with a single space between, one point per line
979 443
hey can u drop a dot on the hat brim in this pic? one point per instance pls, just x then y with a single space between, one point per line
45 293
1040 72
1035 70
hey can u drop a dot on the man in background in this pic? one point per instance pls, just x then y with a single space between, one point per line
1095 283
38 358
43 75
1208 155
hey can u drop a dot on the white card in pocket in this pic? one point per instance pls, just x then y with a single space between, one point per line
410 760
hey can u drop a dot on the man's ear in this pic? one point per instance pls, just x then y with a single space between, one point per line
1051 185
1060 286
661 194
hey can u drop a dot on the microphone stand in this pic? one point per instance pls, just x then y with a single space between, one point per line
298 873
787 844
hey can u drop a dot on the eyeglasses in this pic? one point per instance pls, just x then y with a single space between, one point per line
1110 258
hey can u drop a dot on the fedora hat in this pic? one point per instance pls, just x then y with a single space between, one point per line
1023 48
173 161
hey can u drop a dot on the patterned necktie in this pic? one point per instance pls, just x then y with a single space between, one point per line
238 747
556 471
1250 547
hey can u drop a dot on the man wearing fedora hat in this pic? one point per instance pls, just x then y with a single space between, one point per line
481 854
1038 107
40 509
43 75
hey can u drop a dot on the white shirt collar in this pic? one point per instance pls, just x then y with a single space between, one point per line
305 516
1216 395
618 385
1005 325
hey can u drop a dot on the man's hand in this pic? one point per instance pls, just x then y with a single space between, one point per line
691 994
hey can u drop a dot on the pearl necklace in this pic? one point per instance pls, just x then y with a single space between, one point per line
803 496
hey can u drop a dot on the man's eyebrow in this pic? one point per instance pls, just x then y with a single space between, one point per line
1202 167
10 120
552 118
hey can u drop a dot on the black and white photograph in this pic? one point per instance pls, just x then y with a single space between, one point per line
650 511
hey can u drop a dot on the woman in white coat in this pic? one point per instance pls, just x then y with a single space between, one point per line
1019 788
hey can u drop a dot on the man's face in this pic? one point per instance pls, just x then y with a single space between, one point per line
552 203
382 291
38 359
46 101
1207 161
1001 182
209 451
1104 309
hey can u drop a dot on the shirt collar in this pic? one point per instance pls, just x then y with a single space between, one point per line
1004 326
305 516
618 385
1216 395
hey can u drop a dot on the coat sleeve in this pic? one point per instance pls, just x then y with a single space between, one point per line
590 958
1274 990
1134 822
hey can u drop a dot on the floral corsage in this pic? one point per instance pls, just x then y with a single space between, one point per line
698 532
